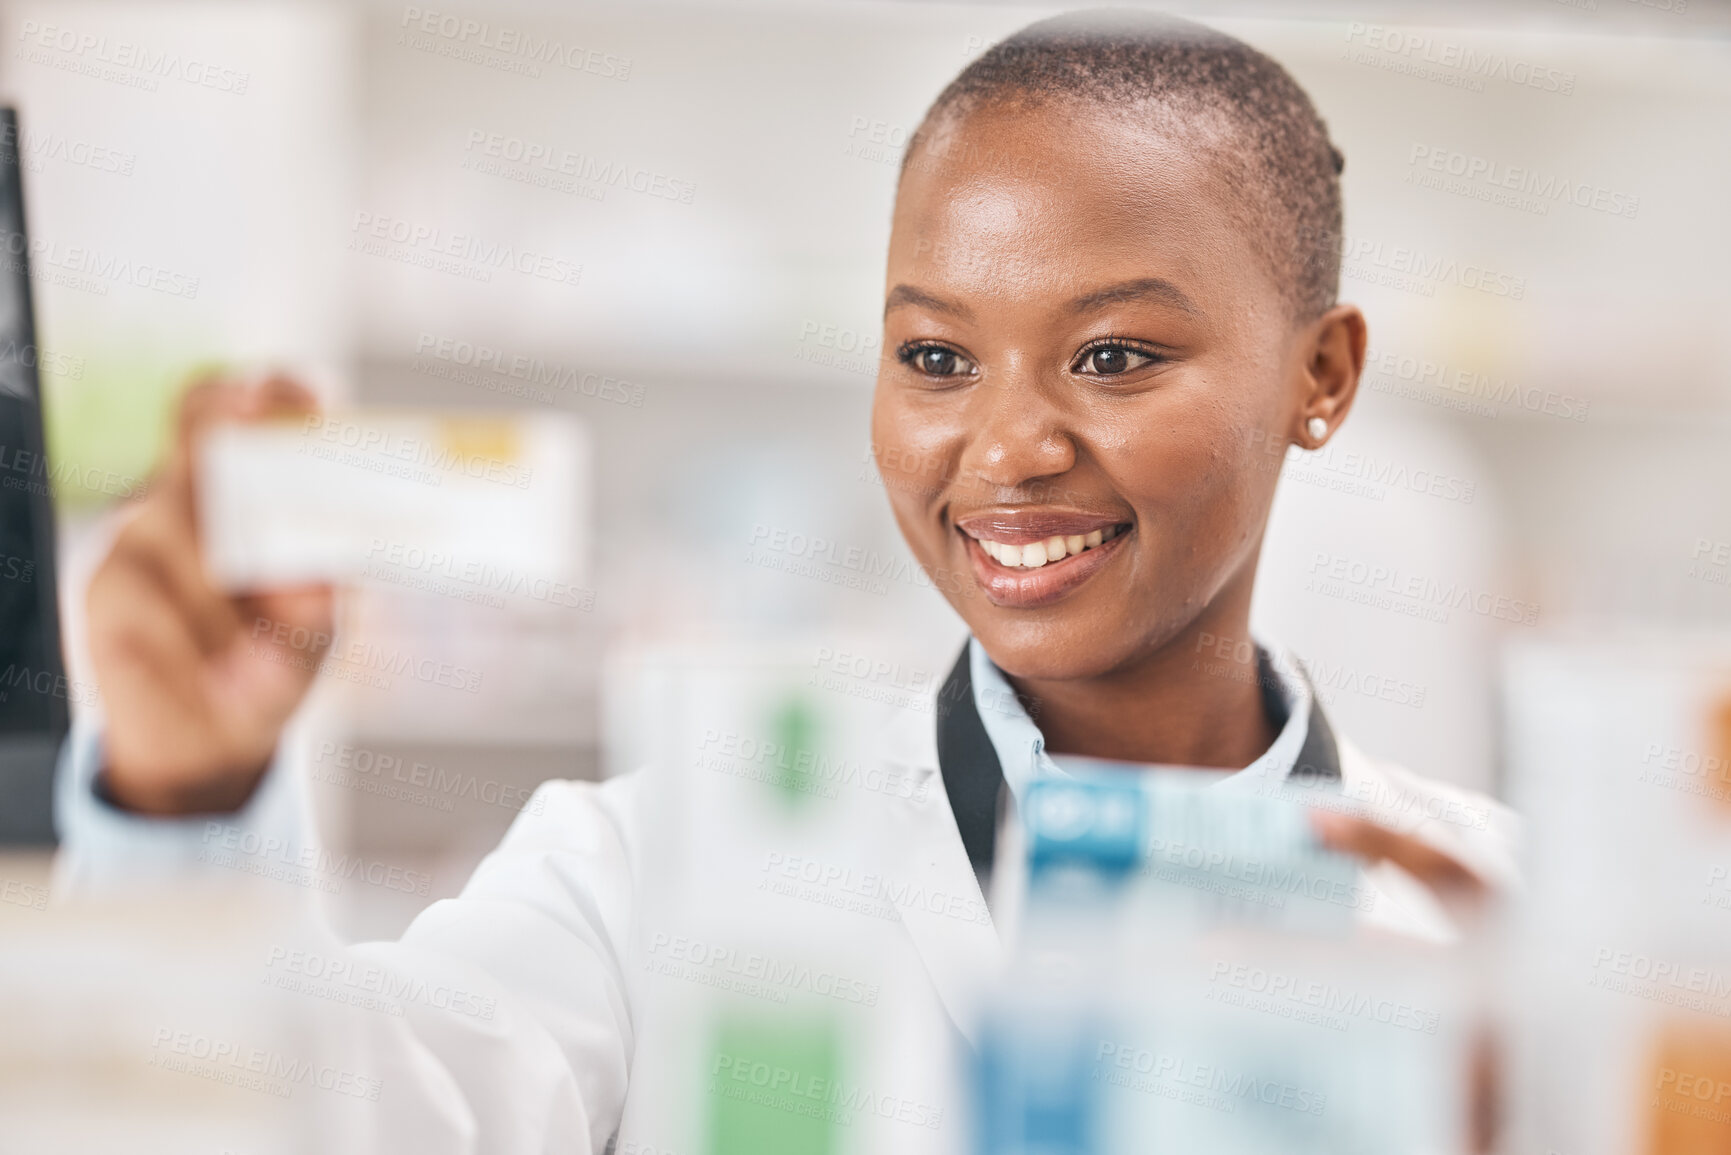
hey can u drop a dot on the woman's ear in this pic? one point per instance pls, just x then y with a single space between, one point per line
1334 358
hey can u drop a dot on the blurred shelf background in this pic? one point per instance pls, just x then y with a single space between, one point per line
1564 368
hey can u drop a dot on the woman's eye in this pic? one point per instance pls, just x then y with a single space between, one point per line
937 361
1111 360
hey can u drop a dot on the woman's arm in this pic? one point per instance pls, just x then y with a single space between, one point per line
514 1032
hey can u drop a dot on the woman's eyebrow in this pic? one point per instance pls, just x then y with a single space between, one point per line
1144 289
908 295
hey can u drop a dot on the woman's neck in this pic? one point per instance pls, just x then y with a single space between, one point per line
1191 703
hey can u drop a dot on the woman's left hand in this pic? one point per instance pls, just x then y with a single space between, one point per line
1456 884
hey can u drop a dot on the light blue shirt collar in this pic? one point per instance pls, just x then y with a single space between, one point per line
1021 748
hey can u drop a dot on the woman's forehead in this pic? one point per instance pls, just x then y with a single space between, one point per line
1063 204
1044 186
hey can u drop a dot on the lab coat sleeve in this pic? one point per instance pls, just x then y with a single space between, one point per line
102 848
532 1055
545 918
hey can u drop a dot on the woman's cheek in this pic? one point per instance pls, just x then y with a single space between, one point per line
921 447
912 469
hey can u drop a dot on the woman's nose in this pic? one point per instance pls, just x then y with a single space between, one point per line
1016 436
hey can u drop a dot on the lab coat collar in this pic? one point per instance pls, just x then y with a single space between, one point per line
951 824
1286 692
952 932
987 742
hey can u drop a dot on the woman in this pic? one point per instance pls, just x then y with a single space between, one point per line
1110 292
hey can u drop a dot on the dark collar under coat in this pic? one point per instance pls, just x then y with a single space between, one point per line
974 779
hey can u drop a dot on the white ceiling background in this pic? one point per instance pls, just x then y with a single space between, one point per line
704 305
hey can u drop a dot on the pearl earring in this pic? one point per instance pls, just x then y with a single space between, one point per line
1317 428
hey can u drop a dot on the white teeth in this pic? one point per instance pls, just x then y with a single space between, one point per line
1039 553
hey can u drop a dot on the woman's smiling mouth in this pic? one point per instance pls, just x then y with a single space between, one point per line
1028 558
1053 549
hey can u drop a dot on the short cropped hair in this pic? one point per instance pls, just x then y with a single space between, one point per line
1204 89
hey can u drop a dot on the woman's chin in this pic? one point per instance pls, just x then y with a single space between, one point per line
1045 653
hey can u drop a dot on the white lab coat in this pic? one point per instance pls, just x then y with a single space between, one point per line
592 1038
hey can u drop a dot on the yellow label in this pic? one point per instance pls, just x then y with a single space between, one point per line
490 438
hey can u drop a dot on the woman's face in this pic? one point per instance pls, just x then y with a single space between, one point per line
1084 352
